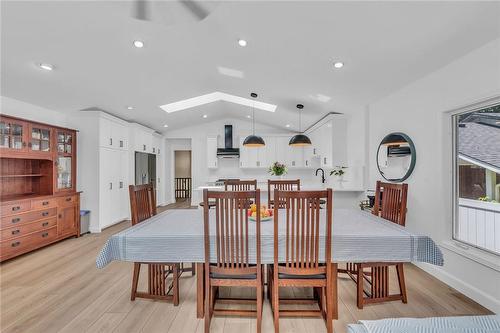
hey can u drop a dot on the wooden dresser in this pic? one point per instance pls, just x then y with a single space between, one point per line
39 203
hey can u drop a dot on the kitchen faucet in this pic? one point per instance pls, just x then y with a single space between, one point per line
322 174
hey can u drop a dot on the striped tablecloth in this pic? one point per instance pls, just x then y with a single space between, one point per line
177 236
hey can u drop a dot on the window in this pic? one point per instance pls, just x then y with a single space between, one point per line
477 178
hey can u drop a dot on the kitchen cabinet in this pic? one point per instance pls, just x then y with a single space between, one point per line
143 139
249 156
212 161
113 133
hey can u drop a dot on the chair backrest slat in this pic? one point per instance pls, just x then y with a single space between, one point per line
390 202
240 185
142 202
231 228
281 185
302 228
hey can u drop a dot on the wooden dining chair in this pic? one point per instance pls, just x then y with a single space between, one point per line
281 185
390 204
232 252
302 265
240 185
211 203
143 206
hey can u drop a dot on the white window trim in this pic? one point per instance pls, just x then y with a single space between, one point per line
481 256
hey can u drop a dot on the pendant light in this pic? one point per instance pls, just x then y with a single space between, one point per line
300 139
253 140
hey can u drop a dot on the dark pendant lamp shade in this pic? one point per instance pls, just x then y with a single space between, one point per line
300 140
253 140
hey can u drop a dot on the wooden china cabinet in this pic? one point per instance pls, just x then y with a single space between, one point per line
39 203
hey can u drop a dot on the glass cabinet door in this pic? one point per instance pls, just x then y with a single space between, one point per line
64 160
40 139
11 135
64 180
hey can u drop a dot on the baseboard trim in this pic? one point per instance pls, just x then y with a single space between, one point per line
468 290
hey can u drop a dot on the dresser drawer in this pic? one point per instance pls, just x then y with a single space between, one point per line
28 242
24 229
67 201
15 207
44 203
15 220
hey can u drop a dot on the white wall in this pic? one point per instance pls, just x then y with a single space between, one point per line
420 110
17 108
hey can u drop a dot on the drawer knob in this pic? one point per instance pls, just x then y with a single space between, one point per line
15 232
44 224
68 199
45 203
15 220
60 216
16 208
15 244
45 234
45 213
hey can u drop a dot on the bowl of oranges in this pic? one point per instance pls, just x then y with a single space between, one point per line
265 213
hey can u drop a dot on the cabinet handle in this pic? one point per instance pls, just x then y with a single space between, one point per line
15 244
29 145
293 163
16 208
45 213
110 141
314 151
121 184
15 220
153 149
143 147
24 144
121 143
15 232
68 199
306 162
44 224
158 151
324 160
45 234
110 186
45 203
60 216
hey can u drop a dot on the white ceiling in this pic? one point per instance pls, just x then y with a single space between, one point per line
289 57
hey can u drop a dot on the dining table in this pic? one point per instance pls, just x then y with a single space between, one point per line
178 236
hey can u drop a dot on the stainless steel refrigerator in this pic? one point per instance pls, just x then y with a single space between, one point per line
145 169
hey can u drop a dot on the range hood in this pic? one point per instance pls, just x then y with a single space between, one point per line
228 151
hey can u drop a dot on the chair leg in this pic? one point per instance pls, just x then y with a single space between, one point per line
135 280
208 302
401 280
329 301
259 307
175 281
276 306
359 284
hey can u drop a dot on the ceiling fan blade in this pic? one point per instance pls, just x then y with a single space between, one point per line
141 10
195 8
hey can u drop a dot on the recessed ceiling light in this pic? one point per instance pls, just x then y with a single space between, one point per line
242 42
130 107
338 64
287 125
138 43
165 125
249 116
205 116
47 67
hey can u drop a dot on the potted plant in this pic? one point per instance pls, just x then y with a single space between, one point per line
339 172
278 169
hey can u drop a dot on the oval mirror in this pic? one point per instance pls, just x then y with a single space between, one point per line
396 157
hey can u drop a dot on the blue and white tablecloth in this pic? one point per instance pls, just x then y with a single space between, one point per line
177 236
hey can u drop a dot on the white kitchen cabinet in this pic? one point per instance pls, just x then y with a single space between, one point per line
113 133
249 156
267 155
113 186
143 138
212 161
156 144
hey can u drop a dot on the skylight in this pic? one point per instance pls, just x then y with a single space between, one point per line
215 97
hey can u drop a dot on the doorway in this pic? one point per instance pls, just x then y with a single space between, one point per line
182 174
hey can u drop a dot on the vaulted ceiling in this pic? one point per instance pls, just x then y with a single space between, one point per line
288 60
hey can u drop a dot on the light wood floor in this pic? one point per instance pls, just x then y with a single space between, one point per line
59 289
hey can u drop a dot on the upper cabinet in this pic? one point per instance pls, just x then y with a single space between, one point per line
143 139
41 139
329 142
113 133
212 161
13 134
66 160
157 144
